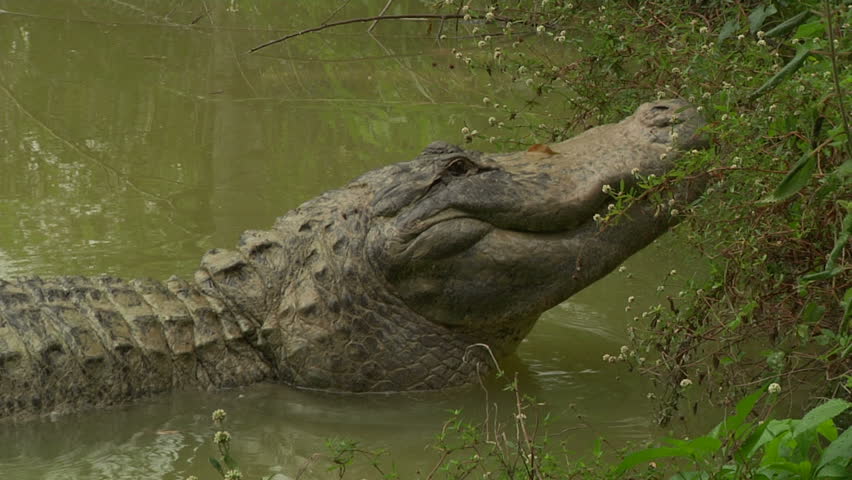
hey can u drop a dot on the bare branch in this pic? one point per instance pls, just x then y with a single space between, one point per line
423 16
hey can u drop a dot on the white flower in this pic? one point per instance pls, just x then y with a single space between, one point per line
673 272
529 82
233 475
761 34
481 43
606 357
539 29
774 388
705 95
685 383
622 269
660 288
740 37
631 299
489 16
221 437
486 100
492 121
702 30
467 17
761 43
219 415
610 207
634 171
606 188
465 131
625 349
675 212
597 218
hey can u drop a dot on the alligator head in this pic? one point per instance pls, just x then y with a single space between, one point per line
384 284
482 245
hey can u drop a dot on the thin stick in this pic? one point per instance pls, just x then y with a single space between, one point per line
424 16
381 14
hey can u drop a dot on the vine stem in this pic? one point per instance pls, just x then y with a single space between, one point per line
836 75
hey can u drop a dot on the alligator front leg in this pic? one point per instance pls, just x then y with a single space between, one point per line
71 343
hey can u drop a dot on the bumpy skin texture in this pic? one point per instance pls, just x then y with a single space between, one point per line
386 284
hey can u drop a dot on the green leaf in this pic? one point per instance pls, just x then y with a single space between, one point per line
704 446
758 16
847 311
819 414
831 268
217 466
828 430
647 455
733 422
756 440
729 28
699 475
812 313
811 30
801 54
795 180
789 24
779 469
835 470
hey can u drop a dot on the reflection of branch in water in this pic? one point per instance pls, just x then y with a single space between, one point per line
233 50
165 24
339 8
381 14
414 77
109 168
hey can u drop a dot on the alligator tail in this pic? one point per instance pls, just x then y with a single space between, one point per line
72 343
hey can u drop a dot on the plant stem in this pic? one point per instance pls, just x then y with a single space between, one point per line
836 75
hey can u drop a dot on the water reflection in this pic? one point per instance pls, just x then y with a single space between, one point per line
133 140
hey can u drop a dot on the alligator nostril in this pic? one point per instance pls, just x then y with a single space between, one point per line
659 108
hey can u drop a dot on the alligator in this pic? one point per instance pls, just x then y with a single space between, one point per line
411 277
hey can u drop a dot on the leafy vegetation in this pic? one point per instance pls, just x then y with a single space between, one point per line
774 222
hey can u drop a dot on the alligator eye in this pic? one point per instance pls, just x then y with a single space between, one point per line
459 166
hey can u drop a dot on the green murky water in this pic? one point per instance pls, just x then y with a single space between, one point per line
132 140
